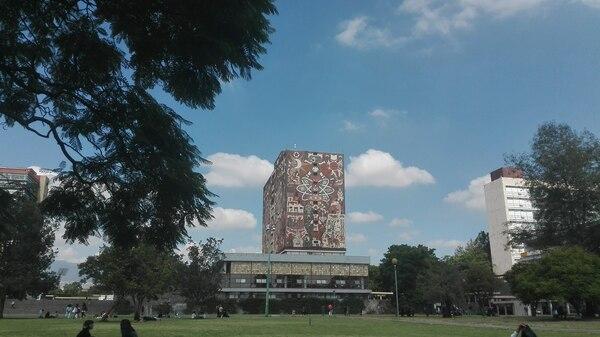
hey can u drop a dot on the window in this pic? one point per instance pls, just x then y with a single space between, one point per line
261 280
300 281
240 280
321 281
342 282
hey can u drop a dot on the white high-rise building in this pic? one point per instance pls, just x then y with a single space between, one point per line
508 206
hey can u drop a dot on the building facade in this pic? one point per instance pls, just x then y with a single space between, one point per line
24 180
303 204
295 276
508 207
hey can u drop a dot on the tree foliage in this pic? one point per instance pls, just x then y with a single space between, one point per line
413 261
527 285
566 274
70 289
140 273
80 73
562 172
25 249
199 278
473 262
442 283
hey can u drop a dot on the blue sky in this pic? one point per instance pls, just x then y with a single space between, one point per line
431 94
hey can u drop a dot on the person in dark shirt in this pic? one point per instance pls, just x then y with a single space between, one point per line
87 326
127 330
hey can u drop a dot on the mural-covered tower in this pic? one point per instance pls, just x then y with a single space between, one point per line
303 204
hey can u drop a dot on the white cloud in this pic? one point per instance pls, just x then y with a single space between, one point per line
444 244
233 170
472 197
446 17
245 249
400 223
408 235
70 254
440 18
380 169
356 238
591 3
382 113
350 126
231 219
361 34
364 217
75 252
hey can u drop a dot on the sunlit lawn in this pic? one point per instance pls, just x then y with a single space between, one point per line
253 325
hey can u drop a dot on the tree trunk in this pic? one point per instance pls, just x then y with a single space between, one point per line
137 305
2 301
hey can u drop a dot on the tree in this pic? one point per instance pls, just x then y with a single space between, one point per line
567 273
413 261
524 279
80 73
442 283
140 273
481 243
200 276
25 249
475 266
374 277
563 175
69 289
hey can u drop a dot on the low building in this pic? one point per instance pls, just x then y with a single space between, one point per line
295 276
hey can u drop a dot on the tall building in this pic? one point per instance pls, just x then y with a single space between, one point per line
508 206
25 180
303 204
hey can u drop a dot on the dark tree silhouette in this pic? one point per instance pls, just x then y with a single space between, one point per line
79 72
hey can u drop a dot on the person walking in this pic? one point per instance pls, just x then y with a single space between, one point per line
330 309
127 329
12 304
87 326
84 309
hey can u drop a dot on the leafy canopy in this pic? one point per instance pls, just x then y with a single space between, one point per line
567 273
199 277
140 273
25 249
562 172
80 73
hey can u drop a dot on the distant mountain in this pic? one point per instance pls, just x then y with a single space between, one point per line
70 270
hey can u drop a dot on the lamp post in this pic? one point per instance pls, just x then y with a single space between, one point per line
395 262
269 231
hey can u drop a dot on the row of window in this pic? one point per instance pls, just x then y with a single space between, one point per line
519 203
298 281
520 215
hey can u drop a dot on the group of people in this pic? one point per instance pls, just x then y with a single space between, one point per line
75 311
127 329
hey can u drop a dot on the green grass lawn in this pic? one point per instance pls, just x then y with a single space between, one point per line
248 325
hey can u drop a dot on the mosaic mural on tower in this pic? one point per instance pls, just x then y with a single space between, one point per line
303 201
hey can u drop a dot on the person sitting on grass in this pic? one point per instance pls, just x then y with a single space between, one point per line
523 330
127 330
87 326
